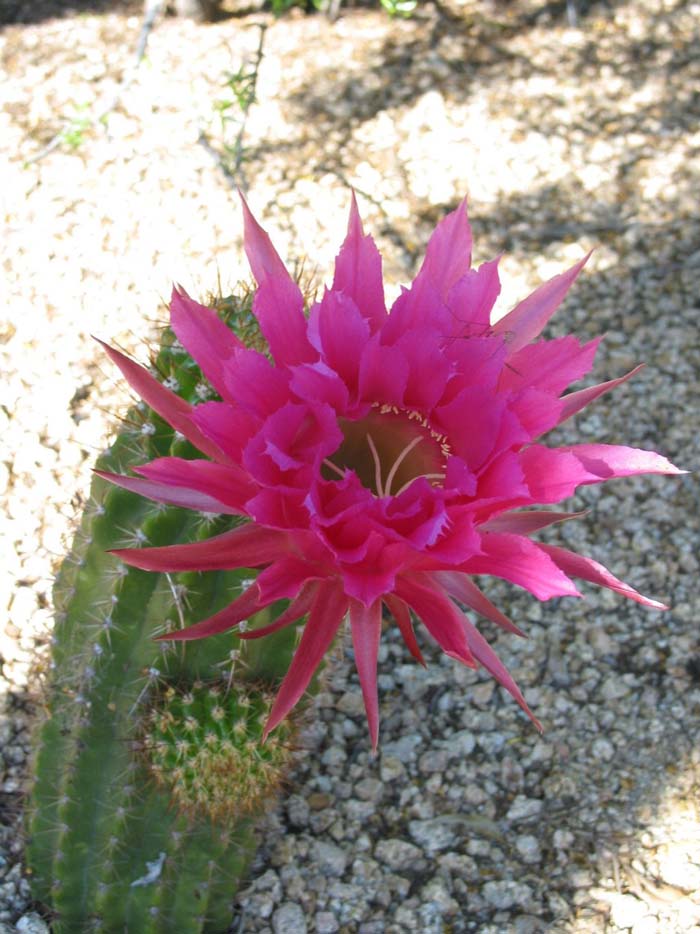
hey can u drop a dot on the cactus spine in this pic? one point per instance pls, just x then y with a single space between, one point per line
148 767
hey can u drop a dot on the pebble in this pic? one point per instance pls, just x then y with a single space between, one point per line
289 919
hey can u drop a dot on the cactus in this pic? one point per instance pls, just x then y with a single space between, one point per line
149 768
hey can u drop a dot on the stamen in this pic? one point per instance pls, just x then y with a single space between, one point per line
331 466
427 476
397 463
377 466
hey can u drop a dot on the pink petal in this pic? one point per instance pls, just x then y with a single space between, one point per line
172 408
553 474
172 495
383 373
226 484
575 401
246 605
471 299
342 334
296 609
204 335
401 614
538 412
616 460
472 422
549 365
428 370
449 252
256 385
249 546
358 271
278 303
330 606
522 562
486 656
317 382
228 426
525 322
527 521
589 570
440 616
463 588
366 623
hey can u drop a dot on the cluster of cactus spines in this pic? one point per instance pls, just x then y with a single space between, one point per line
201 743
121 836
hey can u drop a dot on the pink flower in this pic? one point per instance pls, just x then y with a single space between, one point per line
382 459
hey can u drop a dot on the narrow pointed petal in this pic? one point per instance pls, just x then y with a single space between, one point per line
278 304
449 251
575 401
526 321
366 624
296 609
173 496
463 588
438 613
249 546
358 271
472 298
549 365
327 613
401 614
617 460
172 408
229 485
205 336
246 605
522 562
589 570
486 656
527 521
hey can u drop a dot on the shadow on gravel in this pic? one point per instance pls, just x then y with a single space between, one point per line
28 12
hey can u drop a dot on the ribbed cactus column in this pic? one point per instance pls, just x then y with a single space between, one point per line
149 767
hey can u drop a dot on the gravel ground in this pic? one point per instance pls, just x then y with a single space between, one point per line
564 139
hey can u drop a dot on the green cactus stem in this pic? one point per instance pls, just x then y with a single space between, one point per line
149 769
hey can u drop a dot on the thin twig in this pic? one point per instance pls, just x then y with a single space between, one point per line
151 10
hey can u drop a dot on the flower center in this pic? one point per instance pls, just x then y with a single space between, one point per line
388 450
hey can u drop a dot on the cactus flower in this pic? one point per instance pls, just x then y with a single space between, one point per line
380 460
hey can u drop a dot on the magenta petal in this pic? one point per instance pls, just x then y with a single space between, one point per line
246 605
440 616
617 460
486 656
278 303
526 321
575 401
589 570
358 271
527 521
172 495
428 370
366 623
471 299
317 382
522 562
204 335
296 609
342 333
538 412
228 426
449 252
172 408
248 546
549 365
553 474
330 606
229 485
463 588
256 384
383 373
401 614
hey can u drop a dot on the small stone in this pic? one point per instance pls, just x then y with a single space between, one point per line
288 919
647 925
529 848
626 910
369 789
32 924
326 923
331 860
523 808
398 854
298 811
506 893
603 749
434 835
351 704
